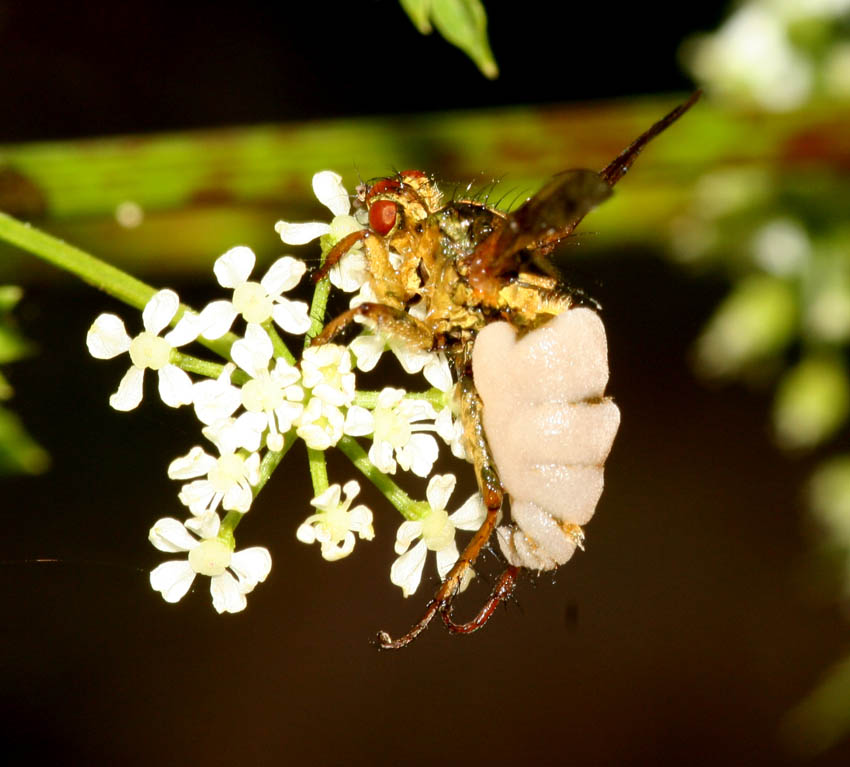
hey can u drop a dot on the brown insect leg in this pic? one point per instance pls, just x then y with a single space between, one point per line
450 586
503 589
337 252
383 319
491 491
618 167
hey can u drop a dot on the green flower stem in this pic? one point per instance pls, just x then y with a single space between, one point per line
64 256
93 271
406 506
278 344
195 365
267 466
318 470
369 399
317 309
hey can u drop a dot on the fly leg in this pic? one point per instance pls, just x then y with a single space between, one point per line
491 491
383 319
502 590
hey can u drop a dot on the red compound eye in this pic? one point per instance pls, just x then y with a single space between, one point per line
384 186
411 175
382 216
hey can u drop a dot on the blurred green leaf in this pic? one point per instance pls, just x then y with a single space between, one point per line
19 453
812 402
463 23
755 321
823 718
829 497
418 11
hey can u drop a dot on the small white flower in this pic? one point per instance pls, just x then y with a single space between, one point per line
326 370
107 338
207 556
351 272
396 432
450 430
320 425
274 393
257 302
334 525
228 480
368 348
437 533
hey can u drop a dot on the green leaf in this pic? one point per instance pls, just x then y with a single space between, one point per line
19 453
418 11
463 23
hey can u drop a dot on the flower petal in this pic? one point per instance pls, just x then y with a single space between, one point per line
407 569
418 455
226 594
358 421
216 318
471 515
235 266
107 337
408 531
284 274
129 393
205 525
440 489
169 534
160 310
300 234
292 316
437 372
175 386
328 188
187 329
446 559
196 463
367 349
251 565
172 579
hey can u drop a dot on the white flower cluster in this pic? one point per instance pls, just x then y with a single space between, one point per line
263 396
759 56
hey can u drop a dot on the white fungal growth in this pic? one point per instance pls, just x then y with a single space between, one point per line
549 429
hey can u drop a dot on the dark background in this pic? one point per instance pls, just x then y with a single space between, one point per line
693 623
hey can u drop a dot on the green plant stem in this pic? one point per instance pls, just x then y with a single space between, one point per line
93 271
318 470
317 309
369 399
195 365
278 344
267 466
406 506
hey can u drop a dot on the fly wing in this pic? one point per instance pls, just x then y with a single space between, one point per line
547 217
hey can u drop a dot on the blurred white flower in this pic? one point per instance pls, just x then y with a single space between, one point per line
227 481
396 432
257 302
206 556
326 371
351 272
437 533
107 338
751 59
275 393
335 524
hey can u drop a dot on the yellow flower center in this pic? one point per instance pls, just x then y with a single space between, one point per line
210 557
438 531
149 351
252 302
228 471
